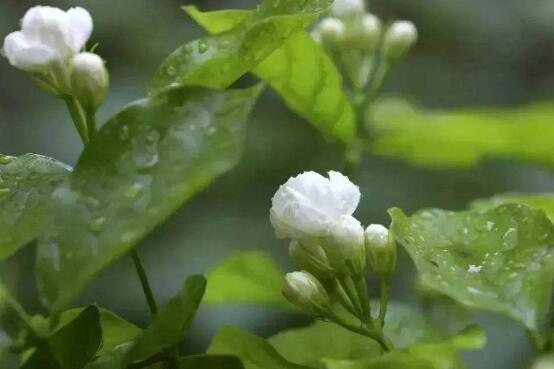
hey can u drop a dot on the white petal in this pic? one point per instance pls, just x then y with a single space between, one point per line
28 56
81 27
346 193
48 26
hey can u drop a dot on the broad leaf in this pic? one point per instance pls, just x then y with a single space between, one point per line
140 167
26 183
301 72
72 346
8 359
247 277
171 323
205 362
463 138
218 61
115 330
254 352
544 202
500 259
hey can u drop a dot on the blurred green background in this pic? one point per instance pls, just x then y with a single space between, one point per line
472 52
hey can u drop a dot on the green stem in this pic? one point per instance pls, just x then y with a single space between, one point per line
145 283
383 301
351 292
361 287
78 117
376 335
345 300
90 116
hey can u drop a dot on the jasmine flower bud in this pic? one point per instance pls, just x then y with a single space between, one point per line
380 249
371 30
399 38
345 246
344 8
331 31
48 38
307 205
305 291
310 256
89 80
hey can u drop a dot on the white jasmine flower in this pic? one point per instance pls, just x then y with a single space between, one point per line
89 79
308 204
377 236
380 250
343 8
49 36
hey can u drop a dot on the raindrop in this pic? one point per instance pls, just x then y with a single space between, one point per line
134 190
171 71
124 134
202 47
97 224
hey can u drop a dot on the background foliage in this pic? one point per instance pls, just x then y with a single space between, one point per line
471 53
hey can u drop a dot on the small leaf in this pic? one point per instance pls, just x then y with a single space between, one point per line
543 202
500 259
462 138
247 277
311 84
218 61
141 166
72 346
115 330
26 183
255 352
171 323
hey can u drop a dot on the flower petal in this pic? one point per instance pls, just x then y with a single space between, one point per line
48 26
81 27
346 193
28 56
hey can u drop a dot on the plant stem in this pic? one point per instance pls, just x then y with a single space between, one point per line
383 301
78 117
348 286
91 122
362 293
145 283
345 300
376 334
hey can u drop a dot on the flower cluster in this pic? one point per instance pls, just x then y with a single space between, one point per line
50 47
355 37
327 243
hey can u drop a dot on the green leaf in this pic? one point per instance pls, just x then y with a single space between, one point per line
247 277
115 330
255 352
218 61
543 202
141 166
171 323
205 362
72 346
462 138
500 259
26 183
311 85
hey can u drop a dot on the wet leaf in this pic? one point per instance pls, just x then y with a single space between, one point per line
26 183
301 72
544 201
247 277
171 323
141 166
205 362
254 352
463 138
219 60
500 259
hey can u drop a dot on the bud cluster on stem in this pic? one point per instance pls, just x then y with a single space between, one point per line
332 250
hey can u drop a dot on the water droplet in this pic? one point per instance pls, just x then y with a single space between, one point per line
134 190
171 71
97 224
202 47
211 131
188 48
124 134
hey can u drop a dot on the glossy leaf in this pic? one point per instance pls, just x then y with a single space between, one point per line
500 259
140 167
115 330
205 362
72 346
219 60
462 138
254 352
26 183
543 201
247 277
310 84
171 323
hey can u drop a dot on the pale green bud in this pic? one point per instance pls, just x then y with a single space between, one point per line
310 256
370 31
380 249
347 8
89 80
331 31
399 38
305 291
345 246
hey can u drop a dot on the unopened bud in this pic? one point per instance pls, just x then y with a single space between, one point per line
399 38
346 8
371 30
310 256
331 31
305 291
89 80
345 246
381 250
